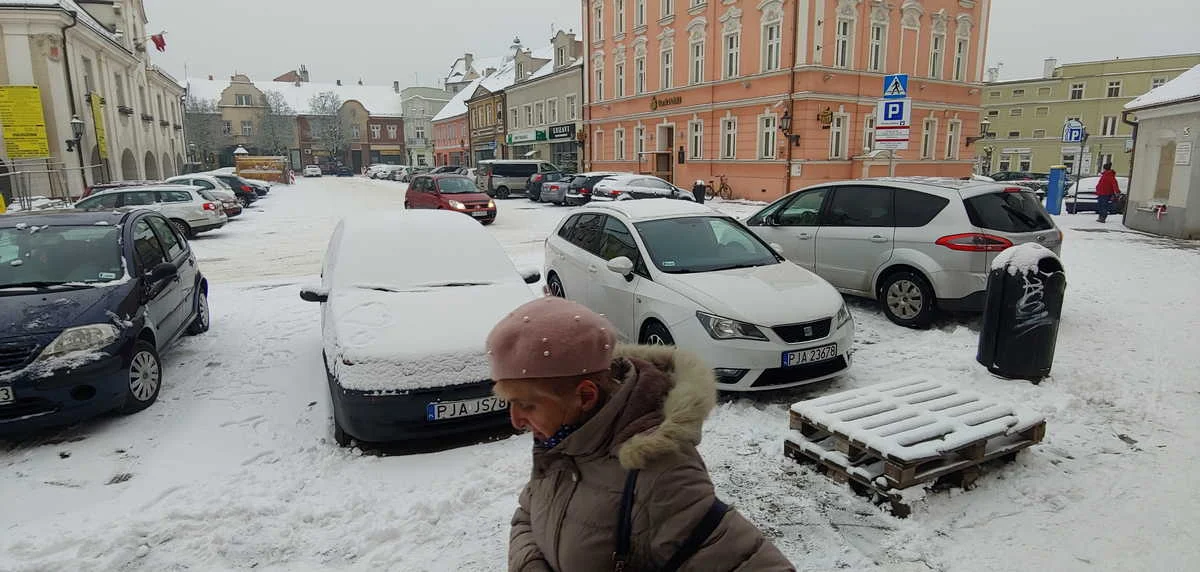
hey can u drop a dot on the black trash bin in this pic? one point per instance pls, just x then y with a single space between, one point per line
698 191
1020 319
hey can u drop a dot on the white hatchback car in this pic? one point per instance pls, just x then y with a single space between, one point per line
191 210
675 272
312 171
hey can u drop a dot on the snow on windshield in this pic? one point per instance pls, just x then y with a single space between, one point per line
60 254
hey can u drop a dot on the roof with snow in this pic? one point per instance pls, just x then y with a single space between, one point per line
459 71
1182 88
457 104
84 16
380 101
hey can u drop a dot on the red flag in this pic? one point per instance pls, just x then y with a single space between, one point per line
160 41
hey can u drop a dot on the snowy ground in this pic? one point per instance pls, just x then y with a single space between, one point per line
235 467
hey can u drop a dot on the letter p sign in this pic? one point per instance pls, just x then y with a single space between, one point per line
893 111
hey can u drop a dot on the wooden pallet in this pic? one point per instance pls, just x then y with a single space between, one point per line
898 435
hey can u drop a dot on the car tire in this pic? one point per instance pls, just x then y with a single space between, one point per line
907 299
144 378
203 316
656 334
555 286
1070 208
487 222
502 193
183 228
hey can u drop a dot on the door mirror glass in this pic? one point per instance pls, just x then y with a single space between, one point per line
314 294
163 271
621 265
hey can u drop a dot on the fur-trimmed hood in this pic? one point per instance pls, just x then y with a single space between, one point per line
664 397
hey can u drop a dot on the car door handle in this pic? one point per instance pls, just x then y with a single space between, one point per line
804 236
593 269
878 238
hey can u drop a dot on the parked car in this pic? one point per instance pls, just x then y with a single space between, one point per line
533 188
555 192
1081 197
189 211
312 171
447 170
580 191
502 178
344 171
450 192
389 379
677 273
229 201
88 304
626 187
100 187
386 171
211 182
248 187
262 188
918 245
373 170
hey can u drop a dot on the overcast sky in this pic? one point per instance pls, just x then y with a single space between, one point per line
381 41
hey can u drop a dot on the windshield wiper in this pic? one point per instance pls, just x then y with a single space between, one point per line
737 266
33 284
453 284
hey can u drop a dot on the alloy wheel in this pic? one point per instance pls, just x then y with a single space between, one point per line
905 299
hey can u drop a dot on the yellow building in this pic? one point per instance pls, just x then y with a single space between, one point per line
1027 116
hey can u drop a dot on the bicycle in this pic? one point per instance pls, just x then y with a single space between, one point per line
724 191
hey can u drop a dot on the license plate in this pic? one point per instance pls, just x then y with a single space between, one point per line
801 357
440 410
479 214
6 395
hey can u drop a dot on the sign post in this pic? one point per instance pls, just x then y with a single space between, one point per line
893 115
1075 133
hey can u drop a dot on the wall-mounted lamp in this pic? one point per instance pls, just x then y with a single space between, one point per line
785 125
76 133
984 132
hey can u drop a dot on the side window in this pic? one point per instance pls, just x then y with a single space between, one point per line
588 231
146 245
915 209
657 184
203 184
174 197
618 241
108 201
860 207
547 167
568 228
804 210
139 198
166 237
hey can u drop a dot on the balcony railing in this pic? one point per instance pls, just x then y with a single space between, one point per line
417 142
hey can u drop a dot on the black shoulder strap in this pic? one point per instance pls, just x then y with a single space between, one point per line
696 539
625 523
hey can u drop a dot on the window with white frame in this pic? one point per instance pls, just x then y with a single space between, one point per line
1025 162
528 115
619 22
639 142
598 146
392 129
1014 134
598 21
248 129
877 56
572 114
729 138
1108 126
1077 90
1068 161
696 138
837 137
539 113
619 70
1157 82
961 49
639 75
639 13
1042 111
772 40
767 127
600 81
697 3
1039 133
869 133
552 110
1105 159
843 43
1044 92
376 131
953 136
696 72
1005 162
560 56
666 74
240 99
928 134
733 54
937 55
513 117
619 144
666 8
1016 112
1114 89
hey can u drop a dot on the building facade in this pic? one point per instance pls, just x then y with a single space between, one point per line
485 118
693 89
421 105
450 136
89 61
544 108
1027 116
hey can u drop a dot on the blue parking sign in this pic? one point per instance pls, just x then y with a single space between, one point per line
893 111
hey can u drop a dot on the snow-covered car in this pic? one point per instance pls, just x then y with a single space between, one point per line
626 187
1081 196
88 302
312 171
678 273
188 208
405 324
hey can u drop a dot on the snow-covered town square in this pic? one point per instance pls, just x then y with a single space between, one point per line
599 285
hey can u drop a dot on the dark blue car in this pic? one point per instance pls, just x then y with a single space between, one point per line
88 301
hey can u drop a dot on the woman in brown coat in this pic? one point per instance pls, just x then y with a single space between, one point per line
613 424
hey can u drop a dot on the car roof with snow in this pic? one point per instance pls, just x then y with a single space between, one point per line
66 217
942 186
649 209
168 186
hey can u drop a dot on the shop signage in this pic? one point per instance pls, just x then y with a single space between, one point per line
562 132
24 123
657 102
98 119
527 136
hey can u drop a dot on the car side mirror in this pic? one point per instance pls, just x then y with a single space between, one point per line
163 271
621 265
531 275
314 294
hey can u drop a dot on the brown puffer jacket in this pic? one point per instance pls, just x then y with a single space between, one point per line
568 512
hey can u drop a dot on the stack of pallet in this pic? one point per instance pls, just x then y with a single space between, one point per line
894 436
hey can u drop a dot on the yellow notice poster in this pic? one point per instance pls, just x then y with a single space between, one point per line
23 121
98 119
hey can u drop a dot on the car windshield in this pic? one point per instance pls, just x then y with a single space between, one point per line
46 256
702 244
456 186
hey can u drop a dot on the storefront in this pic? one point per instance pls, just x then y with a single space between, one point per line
387 154
485 151
564 147
527 144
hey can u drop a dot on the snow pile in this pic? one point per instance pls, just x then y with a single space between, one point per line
1023 258
56 365
1186 86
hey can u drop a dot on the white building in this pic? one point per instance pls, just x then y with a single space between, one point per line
73 51
421 105
1164 194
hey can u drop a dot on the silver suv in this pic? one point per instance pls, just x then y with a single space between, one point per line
917 244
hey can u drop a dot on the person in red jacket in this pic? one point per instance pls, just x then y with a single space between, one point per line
1107 191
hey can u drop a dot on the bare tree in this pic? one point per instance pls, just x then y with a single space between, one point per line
205 129
276 126
329 125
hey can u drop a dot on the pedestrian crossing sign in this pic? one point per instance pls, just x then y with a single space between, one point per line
895 86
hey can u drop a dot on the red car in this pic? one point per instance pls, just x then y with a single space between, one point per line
452 193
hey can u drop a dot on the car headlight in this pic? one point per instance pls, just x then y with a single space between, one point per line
491 204
726 329
81 339
843 316
456 205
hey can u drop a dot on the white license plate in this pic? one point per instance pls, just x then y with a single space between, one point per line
479 214
6 395
440 410
801 357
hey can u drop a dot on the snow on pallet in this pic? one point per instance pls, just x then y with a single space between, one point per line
896 435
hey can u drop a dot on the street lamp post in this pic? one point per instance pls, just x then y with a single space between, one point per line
73 144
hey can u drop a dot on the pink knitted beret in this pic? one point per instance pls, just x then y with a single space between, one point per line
550 337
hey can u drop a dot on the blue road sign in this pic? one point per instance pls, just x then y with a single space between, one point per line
895 86
1073 132
893 110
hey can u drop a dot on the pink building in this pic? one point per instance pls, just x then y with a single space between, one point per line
779 94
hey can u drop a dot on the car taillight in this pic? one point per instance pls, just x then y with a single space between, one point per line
1013 189
974 242
246 188
210 206
585 191
537 177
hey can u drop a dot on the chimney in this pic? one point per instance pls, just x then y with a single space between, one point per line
303 73
339 82
468 61
396 86
360 81
993 75
210 78
1048 67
